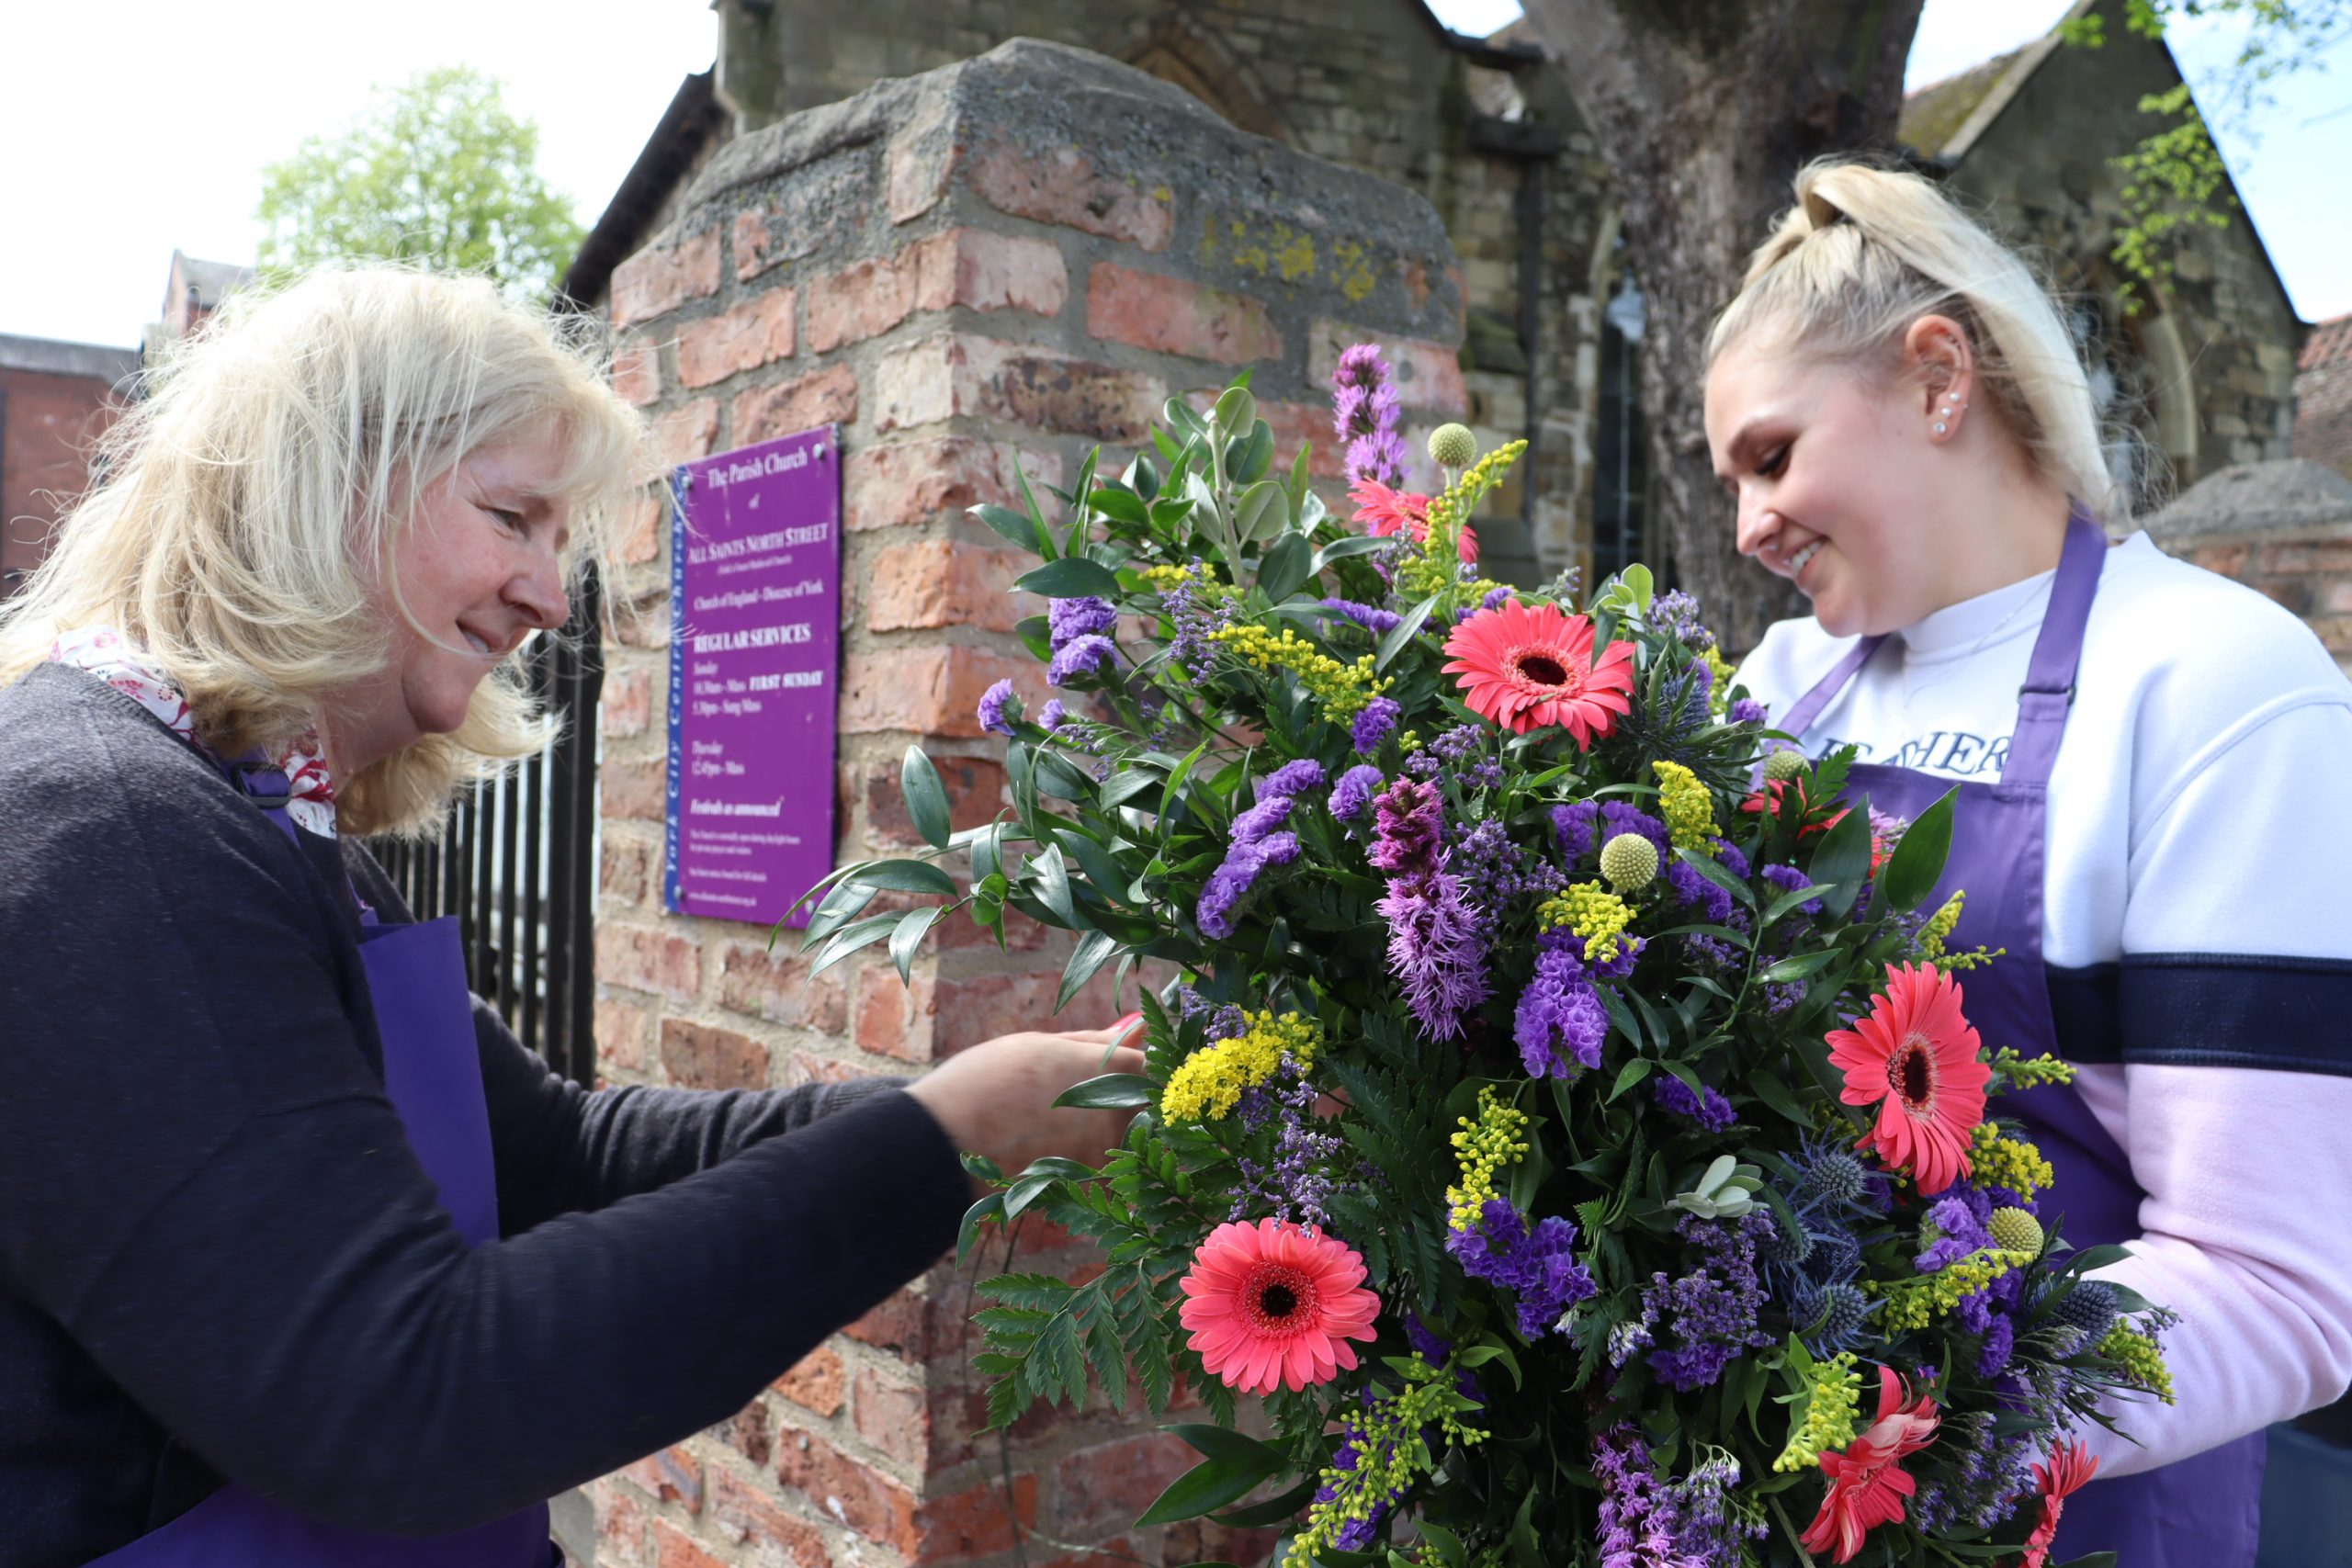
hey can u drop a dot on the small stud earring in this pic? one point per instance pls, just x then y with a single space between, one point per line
1939 427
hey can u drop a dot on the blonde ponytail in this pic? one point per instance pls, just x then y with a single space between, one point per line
1866 251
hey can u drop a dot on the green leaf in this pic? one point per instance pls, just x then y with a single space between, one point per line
1112 1091
1048 873
1353 544
1123 787
1012 525
1093 951
1261 512
904 876
907 936
1274 1510
1843 858
1912 872
1208 1486
1225 1443
926 798
1768 1088
1255 456
1285 566
1122 506
1797 969
1708 867
1790 900
1073 577
1235 413
1402 633
1632 1073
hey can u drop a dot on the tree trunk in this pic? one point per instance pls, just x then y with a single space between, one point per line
1704 110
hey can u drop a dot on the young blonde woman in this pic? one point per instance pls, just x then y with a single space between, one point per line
2150 822
304 1260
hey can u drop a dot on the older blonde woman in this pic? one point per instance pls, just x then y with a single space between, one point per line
303 1259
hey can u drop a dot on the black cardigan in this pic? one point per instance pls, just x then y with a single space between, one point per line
218 1255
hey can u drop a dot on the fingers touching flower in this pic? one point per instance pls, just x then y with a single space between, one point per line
1525 665
1273 1306
1916 1058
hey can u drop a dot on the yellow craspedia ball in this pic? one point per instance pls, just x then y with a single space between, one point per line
2014 1230
1629 862
1452 447
1785 764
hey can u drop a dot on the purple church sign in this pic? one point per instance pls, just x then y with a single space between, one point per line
756 594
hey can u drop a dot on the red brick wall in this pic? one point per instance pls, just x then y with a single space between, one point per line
2307 570
52 421
1030 251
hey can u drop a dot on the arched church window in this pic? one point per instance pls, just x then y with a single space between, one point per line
1621 440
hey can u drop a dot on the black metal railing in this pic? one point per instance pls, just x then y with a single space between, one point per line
517 864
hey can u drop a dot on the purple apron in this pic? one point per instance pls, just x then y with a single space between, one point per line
416 977
2200 1512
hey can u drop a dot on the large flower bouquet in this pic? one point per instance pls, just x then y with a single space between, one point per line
1571 1138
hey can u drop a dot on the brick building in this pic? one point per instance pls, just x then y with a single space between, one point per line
56 399
1484 130
2323 396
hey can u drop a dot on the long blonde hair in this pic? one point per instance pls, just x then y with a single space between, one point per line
247 504
1866 251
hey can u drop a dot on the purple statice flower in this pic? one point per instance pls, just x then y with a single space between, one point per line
1989 1476
1410 825
1354 1449
1560 1024
1788 879
1496 597
992 706
1677 614
1705 1529
1354 791
1624 817
1887 831
1714 1113
1436 948
1576 826
1747 710
1224 1022
1962 1221
1370 617
2000 1341
1198 611
1494 871
1637 1528
1296 1186
1711 1309
1373 724
1692 887
1363 416
1292 778
1067 620
1231 881
1538 1266
1089 655
1453 753
1731 858
1261 819
1052 716
1428 1345
1711 953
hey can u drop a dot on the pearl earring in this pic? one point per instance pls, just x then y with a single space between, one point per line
1939 427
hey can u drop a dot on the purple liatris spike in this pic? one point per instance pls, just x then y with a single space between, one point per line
1088 655
1437 950
1410 825
1067 620
992 705
1363 416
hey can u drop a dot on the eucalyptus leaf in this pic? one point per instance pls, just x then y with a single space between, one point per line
1260 513
1236 412
1284 568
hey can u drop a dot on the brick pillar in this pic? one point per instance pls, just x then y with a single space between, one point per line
1026 252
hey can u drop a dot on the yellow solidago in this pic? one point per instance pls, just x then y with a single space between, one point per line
1434 567
1342 689
1209 1082
1718 692
1832 1400
1598 916
2032 1072
1167 577
1938 930
2141 1361
1390 1452
1915 1304
1486 1143
1996 1161
1688 807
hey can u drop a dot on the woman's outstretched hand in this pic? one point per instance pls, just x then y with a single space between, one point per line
997 1099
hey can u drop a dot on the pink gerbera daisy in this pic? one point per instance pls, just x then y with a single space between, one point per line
1868 1484
1384 511
1526 665
1274 1304
2070 1467
1916 1057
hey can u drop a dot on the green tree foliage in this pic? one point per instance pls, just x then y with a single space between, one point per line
439 174
2175 178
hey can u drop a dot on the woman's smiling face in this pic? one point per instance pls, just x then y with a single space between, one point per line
479 564
1825 463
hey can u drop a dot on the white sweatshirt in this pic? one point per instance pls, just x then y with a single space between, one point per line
2199 877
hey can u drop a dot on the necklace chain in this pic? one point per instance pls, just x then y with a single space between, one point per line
1910 692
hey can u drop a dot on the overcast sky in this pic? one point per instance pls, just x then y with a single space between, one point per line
104 172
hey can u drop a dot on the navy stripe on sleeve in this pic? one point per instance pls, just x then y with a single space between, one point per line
2208 1009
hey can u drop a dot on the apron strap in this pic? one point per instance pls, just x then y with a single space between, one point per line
2049 689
